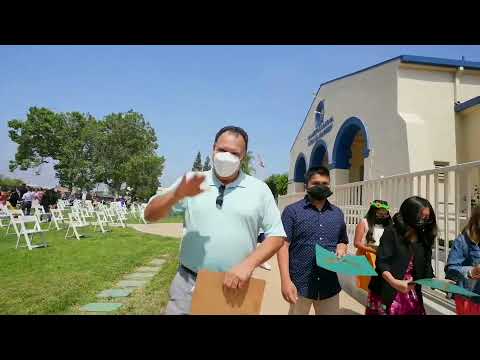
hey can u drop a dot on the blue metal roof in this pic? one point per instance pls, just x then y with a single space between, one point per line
431 61
467 104
408 59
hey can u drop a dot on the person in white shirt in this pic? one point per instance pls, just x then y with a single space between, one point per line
27 199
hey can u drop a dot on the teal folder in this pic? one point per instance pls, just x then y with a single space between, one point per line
347 265
445 286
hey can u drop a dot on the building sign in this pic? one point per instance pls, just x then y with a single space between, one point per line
322 126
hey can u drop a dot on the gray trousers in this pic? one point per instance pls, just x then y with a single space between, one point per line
181 292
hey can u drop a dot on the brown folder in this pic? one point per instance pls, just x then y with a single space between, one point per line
211 298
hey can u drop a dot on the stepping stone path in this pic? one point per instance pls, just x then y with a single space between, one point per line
131 283
149 269
140 276
101 307
125 287
115 293
157 262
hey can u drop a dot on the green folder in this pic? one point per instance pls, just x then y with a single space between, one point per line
347 265
445 286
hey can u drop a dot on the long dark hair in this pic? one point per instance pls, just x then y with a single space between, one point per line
371 217
473 226
406 219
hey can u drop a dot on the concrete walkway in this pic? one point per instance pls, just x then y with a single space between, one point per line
173 229
273 302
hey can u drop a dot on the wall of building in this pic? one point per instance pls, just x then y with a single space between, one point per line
370 96
426 105
469 85
469 131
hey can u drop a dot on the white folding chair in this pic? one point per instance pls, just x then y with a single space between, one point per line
61 205
101 223
141 209
86 216
4 216
14 214
133 211
40 213
57 219
122 219
75 222
28 233
112 217
90 208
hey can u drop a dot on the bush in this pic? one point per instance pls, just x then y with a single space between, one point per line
6 182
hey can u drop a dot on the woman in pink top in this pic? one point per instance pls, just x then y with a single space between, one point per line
39 195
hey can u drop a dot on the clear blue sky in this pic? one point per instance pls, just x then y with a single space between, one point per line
186 92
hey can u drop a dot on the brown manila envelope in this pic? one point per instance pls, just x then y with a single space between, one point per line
211 298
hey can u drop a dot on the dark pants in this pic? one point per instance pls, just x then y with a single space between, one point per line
47 209
26 206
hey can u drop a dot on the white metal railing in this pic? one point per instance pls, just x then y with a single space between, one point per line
449 190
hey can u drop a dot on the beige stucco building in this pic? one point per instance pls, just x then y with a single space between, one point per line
403 115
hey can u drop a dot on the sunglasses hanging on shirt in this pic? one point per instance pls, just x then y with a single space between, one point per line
221 191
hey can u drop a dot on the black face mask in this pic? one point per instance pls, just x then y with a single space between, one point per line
382 221
423 225
319 192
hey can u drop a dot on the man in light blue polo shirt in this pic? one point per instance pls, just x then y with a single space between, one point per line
224 211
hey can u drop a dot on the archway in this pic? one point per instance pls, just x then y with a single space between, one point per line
350 150
299 173
319 155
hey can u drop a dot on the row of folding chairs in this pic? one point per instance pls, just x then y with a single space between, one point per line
137 211
27 227
102 220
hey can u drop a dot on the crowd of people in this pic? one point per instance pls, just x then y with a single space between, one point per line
27 197
227 209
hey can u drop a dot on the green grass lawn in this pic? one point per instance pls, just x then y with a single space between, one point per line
68 273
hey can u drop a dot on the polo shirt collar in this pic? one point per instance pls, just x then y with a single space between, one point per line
308 203
239 181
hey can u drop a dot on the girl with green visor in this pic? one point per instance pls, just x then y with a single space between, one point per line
368 233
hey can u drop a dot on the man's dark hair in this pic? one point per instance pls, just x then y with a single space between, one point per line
233 129
316 170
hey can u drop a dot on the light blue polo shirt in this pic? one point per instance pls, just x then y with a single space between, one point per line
217 239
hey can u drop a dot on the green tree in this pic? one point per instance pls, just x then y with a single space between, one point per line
9 182
197 164
246 164
281 181
86 151
270 181
65 138
38 138
77 164
142 175
206 164
278 184
122 136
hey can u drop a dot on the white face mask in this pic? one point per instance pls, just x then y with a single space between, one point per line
225 164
